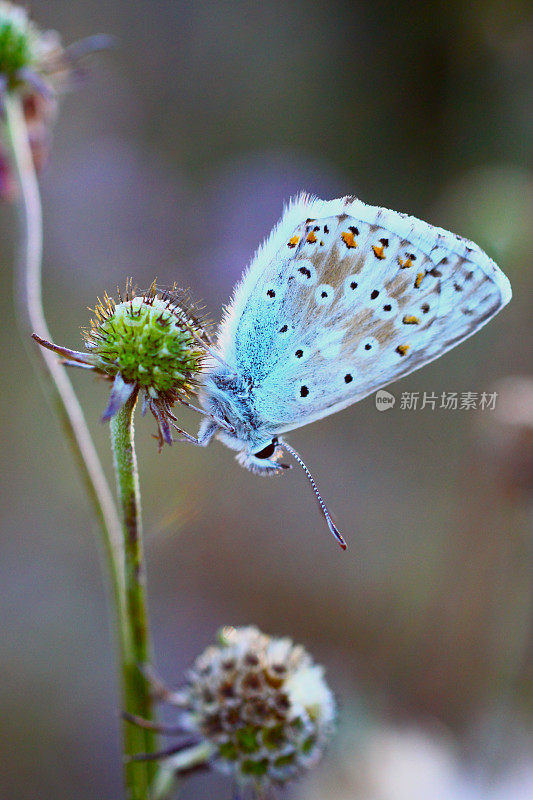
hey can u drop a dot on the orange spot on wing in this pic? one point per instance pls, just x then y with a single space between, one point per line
311 237
418 279
293 241
409 320
406 263
402 349
378 251
348 237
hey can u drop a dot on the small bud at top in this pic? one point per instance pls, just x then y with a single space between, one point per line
27 54
36 67
18 41
262 704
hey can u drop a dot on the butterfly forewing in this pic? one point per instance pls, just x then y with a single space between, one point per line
349 298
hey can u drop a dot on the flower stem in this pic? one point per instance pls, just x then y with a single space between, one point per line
137 699
131 630
31 319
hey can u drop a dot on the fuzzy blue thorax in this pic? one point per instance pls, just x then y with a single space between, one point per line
231 399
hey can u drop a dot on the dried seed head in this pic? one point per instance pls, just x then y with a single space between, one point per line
262 704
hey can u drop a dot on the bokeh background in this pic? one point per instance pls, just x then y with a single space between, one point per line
174 161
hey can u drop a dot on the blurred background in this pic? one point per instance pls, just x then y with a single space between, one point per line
174 161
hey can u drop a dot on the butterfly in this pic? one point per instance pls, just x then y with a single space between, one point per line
341 299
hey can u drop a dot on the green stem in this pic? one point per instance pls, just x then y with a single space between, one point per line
130 622
30 316
136 688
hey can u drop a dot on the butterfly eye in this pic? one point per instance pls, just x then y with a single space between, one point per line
267 451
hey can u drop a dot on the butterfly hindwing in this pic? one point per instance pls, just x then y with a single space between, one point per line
344 298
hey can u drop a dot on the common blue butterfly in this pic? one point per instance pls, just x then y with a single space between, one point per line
341 299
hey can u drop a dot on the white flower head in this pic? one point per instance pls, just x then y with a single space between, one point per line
262 704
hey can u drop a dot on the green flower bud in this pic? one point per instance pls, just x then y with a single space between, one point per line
28 56
35 67
148 344
148 340
19 40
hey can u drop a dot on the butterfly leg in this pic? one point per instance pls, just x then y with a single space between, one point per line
204 437
219 422
166 419
187 437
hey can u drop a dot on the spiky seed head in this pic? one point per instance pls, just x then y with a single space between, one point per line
148 345
149 340
262 703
